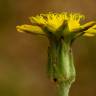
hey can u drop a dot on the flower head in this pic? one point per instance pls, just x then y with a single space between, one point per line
59 24
55 20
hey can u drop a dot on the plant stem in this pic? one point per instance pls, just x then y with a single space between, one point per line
66 68
61 67
63 89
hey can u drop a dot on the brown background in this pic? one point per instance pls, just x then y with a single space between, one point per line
23 57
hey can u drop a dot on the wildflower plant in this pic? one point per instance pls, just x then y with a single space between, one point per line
61 29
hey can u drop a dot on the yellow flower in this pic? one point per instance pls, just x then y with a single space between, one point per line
55 20
55 23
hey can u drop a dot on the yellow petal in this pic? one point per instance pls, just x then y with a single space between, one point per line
91 30
88 34
89 24
73 24
30 28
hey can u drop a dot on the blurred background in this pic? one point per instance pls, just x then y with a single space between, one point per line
23 57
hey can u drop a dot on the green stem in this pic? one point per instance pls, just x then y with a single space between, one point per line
61 67
66 69
63 89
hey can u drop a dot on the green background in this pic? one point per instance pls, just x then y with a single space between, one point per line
23 57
